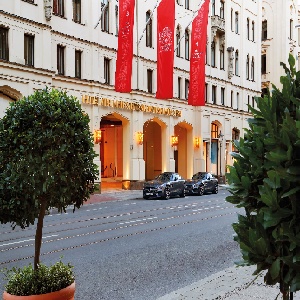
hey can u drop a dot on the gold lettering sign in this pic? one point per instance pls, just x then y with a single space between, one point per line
94 100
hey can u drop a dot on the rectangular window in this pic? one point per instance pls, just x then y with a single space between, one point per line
206 92
264 31
236 22
78 64
186 89
222 96
106 70
179 87
214 94
77 11
105 16
149 81
58 7
253 27
4 43
29 50
231 99
237 101
264 64
60 60
187 4
248 103
222 59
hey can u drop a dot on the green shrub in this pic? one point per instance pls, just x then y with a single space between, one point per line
265 181
26 281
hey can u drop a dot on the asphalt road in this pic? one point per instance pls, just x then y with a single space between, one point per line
133 249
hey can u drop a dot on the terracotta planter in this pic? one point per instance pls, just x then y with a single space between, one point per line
64 294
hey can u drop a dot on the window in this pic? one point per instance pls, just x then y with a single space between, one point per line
106 70
252 68
253 28
178 41
264 64
78 64
248 29
187 4
206 92
4 43
236 63
235 137
206 54
222 96
214 131
105 16
29 50
222 58
231 20
214 94
213 7
148 29
186 89
231 99
222 9
248 103
179 87
264 31
60 60
117 18
247 67
58 7
149 80
253 102
213 54
236 22
291 29
237 101
187 44
77 11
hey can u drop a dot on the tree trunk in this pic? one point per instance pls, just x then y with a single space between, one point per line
39 233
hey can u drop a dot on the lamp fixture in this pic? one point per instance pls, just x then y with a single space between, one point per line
174 140
197 142
97 136
140 138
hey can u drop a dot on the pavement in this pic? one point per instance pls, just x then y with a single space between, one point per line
234 283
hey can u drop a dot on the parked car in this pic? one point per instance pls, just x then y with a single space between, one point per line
201 182
165 186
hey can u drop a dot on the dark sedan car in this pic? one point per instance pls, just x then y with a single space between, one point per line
165 186
201 182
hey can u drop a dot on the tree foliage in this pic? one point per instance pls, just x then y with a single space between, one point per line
265 181
46 158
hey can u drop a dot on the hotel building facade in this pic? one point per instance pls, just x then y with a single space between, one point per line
72 45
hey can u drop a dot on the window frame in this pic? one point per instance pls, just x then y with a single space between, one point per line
61 59
4 46
106 71
59 8
29 49
149 30
150 81
187 44
77 11
78 63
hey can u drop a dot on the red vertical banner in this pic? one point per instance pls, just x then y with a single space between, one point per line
165 48
125 46
196 95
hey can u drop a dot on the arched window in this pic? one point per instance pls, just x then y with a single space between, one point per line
237 62
148 29
178 41
187 44
247 67
252 68
105 16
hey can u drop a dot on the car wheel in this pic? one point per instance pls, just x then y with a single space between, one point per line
167 194
216 189
201 190
182 194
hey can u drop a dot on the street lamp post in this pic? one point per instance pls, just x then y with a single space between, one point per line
220 137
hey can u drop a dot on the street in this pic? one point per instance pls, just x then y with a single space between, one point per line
132 249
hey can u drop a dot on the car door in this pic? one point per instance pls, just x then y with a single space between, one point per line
210 182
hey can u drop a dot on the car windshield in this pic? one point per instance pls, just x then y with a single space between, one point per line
199 176
164 177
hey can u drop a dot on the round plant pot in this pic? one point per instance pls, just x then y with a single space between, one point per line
64 294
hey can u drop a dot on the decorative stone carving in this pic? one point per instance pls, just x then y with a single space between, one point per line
222 41
48 9
230 61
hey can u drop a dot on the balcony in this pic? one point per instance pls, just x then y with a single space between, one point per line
217 26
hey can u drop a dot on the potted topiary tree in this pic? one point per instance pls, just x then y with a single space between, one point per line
46 161
265 181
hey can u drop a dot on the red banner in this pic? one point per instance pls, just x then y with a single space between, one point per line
125 46
165 48
198 51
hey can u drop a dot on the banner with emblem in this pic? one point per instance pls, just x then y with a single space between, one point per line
125 46
165 48
196 94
